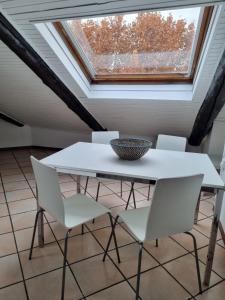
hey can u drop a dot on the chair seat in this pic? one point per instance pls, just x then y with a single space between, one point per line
80 209
136 221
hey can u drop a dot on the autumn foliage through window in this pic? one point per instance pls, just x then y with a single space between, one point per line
134 44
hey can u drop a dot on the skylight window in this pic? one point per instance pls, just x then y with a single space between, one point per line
145 46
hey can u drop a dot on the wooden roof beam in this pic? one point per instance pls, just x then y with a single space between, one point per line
15 41
211 106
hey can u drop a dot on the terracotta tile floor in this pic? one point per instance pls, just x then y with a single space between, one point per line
168 272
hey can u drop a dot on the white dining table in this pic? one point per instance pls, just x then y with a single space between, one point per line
99 160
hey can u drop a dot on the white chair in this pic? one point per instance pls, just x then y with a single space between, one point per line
70 212
172 211
170 142
164 142
102 137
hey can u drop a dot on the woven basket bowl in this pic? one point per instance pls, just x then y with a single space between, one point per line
130 148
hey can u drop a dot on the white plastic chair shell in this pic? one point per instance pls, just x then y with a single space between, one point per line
170 142
104 137
172 210
70 212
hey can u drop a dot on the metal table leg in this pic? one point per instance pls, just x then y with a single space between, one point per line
78 184
213 236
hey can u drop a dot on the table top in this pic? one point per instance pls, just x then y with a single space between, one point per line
91 159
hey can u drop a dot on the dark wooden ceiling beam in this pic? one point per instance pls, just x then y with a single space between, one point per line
10 120
211 106
15 41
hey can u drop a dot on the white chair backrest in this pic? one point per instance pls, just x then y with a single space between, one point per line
49 195
104 137
170 142
173 206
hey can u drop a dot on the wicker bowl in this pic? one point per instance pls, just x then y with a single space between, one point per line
130 148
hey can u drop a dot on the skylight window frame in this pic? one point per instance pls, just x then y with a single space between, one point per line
93 78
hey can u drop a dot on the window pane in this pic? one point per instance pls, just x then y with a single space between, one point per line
141 43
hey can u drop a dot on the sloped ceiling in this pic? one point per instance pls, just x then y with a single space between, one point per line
25 97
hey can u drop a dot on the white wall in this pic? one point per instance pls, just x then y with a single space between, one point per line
13 136
56 138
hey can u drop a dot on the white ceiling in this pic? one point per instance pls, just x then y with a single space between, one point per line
25 97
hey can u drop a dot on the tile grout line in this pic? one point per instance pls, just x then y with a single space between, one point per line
59 245
17 252
126 245
68 264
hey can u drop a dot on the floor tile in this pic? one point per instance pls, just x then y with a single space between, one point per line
23 220
13 292
206 208
123 238
157 284
9 165
21 206
7 244
204 226
2 198
167 249
29 176
221 243
138 196
85 253
23 237
81 247
3 210
116 187
68 186
103 190
100 222
48 286
215 293
9 172
16 185
19 195
5 225
111 200
43 260
121 291
218 261
129 260
93 274
184 270
60 231
32 183
10 270
65 178
144 191
187 242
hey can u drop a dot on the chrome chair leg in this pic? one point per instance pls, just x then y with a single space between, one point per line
34 231
64 264
139 270
96 199
112 235
196 261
